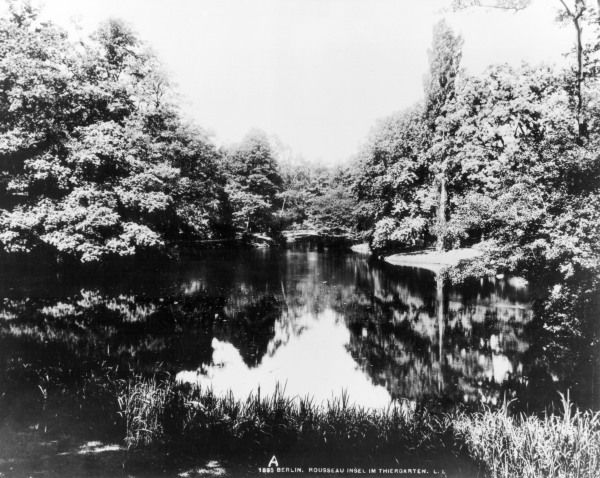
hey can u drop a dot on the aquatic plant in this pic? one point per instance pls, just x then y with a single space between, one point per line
559 445
141 404
163 413
528 446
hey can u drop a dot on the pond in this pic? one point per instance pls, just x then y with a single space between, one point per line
314 323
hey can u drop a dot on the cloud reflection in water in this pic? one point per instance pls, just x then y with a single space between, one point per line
313 363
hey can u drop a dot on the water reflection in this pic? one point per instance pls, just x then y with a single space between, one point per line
346 324
307 356
318 323
453 344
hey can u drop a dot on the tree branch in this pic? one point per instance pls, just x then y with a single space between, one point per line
514 5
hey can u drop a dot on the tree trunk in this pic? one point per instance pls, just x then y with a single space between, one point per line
440 318
581 124
442 214
576 16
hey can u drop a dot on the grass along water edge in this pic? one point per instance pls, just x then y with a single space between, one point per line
161 413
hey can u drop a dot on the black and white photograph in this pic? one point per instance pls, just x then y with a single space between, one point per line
309 238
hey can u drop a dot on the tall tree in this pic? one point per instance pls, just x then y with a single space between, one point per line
575 13
390 176
571 11
93 155
440 91
253 182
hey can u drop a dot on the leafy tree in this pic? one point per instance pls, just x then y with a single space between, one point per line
331 206
409 163
300 183
392 177
533 196
516 150
440 92
95 161
318 198
253 183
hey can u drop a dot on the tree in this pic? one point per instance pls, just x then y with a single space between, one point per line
440 91
331 205
299 183
514 5
509 160
390 178
253 182
95 161
574 12
535 197
409 164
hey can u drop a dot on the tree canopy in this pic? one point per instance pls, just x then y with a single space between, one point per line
507 161
95 160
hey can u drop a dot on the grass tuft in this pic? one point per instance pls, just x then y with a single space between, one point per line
565 445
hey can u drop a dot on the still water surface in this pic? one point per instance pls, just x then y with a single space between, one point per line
339 324
316 323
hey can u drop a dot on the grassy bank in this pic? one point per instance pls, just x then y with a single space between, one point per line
162 414
554 445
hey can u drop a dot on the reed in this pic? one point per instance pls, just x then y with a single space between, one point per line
554 445
142 404
162 414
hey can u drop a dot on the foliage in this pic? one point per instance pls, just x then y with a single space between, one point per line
556 445
253 183
95 161
390 171
318 198
409 167
407 232
507 159
165 413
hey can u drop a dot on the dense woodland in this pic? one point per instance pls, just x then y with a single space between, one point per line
97 162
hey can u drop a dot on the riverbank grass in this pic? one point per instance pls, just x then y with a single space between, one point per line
164 414
555 445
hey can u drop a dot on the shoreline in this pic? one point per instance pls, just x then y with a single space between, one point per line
433 260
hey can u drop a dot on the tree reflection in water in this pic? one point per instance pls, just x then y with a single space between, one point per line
318 322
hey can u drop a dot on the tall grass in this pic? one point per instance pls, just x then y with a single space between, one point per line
142 404
160 413
565 445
